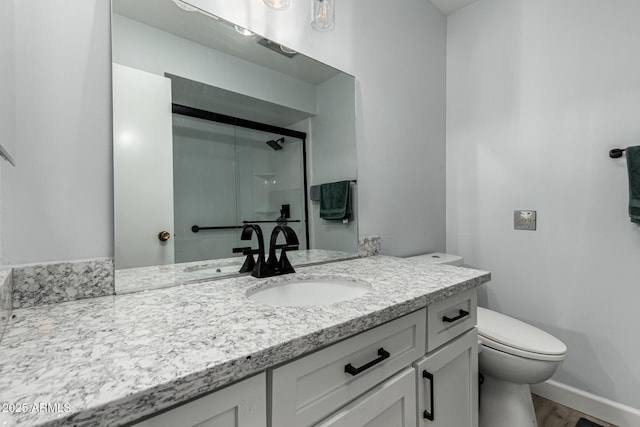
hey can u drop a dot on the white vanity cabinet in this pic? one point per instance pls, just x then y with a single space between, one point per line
243 404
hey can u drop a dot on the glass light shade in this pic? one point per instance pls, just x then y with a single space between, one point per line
323 15
278 4
243 31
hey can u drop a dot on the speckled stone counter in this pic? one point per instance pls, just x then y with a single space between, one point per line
112 360
162 276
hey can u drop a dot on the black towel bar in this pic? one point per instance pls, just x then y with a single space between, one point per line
197 228
616 153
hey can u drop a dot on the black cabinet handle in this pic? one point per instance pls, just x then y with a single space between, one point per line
382 355
460 315
426 414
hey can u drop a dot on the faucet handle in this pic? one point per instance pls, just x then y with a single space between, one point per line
284 266
249 262
243 250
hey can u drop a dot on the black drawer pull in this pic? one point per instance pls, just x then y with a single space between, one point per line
426 414
460 315
382 353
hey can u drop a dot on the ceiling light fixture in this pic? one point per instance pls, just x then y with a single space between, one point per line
187 7
278 4
323 15
184 6
287 50
243 31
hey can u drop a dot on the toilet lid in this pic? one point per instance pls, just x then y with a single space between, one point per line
510 333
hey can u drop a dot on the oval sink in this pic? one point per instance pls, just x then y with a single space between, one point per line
309 292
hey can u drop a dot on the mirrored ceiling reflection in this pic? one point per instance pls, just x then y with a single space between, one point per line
176 67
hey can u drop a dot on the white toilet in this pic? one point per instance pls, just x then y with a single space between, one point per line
513 354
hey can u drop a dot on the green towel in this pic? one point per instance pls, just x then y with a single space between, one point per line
633 166
335 201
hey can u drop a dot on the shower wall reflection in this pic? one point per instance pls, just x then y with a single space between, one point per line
225 176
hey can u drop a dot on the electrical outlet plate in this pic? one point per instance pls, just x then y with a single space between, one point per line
524 220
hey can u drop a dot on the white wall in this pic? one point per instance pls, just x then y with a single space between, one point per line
334 158
538 92
7 88
7 77
58 204
168 53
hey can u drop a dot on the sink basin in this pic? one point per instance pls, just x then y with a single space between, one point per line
308 292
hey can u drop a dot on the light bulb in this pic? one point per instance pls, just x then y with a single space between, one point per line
243 31
278 4
287 50
323 15
184 6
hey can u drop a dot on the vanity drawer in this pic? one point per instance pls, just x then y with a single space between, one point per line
451 317
309 389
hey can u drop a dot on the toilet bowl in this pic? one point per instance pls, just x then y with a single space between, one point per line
513 355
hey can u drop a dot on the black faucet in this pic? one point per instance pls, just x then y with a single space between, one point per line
282 265
260 268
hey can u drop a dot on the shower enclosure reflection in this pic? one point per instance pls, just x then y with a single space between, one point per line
226 176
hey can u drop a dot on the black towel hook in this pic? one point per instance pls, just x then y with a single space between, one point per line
616 153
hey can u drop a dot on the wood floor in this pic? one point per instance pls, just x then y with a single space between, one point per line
552 414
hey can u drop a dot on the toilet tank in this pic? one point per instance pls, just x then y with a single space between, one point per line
439 258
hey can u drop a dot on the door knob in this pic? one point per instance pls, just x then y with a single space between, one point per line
163 236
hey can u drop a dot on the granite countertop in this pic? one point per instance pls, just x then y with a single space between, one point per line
112 360
162 276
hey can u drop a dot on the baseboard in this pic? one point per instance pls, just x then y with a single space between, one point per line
588 403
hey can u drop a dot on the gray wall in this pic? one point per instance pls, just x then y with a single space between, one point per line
7 76
7 87
58 204
538 92
166 52
334 158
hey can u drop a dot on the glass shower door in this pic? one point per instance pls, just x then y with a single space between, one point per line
226 176
205 189
270 181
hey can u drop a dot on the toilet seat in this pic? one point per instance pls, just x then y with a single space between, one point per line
509 335
486 342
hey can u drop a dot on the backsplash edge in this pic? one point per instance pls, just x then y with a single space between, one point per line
55 282
6 298
369 246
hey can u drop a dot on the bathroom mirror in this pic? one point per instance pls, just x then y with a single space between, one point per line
216 127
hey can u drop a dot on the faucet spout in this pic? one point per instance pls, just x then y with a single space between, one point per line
282 265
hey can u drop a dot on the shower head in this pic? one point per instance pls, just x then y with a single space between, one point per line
276 144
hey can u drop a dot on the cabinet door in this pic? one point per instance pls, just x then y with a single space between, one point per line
241 405
448 384
391 404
